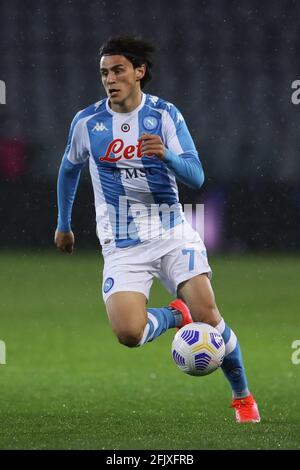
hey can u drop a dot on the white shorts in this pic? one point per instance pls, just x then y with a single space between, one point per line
172 260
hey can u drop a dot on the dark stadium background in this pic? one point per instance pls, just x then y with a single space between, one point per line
228 66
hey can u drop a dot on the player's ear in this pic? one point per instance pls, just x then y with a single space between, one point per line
140 71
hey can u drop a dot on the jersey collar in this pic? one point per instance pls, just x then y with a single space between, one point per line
134 111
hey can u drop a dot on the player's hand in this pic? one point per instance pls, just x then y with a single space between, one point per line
152 145
64 241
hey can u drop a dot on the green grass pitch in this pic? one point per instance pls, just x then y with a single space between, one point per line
68 384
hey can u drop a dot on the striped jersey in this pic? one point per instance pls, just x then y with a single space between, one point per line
136 197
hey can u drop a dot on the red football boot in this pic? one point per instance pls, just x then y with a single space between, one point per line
181 307
246 410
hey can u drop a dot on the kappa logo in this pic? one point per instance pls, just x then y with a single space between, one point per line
179 117
153 99
99 127
98 104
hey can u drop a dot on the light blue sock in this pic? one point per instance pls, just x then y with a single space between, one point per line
233 366
159 320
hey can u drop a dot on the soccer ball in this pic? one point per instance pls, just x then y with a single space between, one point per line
198 349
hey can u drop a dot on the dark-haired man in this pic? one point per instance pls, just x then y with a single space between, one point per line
137 145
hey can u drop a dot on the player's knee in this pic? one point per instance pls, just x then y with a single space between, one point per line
130 338
207 313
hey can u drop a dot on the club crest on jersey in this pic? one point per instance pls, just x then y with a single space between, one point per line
125 127
109 282
150 123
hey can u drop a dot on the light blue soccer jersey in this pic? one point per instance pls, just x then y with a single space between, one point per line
136 198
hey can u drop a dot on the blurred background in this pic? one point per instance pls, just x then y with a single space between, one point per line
228 66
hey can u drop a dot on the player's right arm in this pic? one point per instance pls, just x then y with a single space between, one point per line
68 178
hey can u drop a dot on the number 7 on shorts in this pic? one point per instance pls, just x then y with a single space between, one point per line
191 252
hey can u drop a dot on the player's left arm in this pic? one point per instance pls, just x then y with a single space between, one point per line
179 152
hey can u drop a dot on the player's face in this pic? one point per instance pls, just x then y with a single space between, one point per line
120 79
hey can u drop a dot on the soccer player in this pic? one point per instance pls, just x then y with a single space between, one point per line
137 146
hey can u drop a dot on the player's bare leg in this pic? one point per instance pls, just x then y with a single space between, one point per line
198 295
128 316
134 323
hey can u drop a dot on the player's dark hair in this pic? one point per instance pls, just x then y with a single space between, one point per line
135 49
